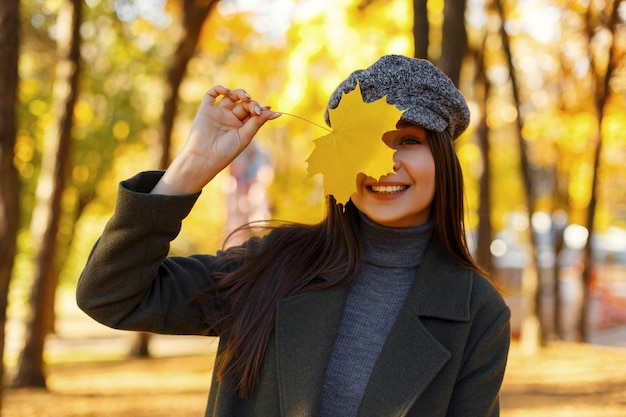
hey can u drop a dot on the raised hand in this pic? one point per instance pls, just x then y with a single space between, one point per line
220 131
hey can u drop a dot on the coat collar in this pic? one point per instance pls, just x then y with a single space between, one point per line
306 325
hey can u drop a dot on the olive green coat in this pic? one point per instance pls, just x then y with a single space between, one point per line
445 355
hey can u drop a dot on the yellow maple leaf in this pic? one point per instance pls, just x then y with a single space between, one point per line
355 144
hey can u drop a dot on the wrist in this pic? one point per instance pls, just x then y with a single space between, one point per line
184 176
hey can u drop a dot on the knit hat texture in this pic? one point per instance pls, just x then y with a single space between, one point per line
426 95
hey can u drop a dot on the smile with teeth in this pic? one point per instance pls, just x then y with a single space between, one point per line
388 189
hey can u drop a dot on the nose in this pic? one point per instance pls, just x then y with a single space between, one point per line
396 163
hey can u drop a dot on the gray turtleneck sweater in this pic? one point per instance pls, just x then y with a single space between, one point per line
392 257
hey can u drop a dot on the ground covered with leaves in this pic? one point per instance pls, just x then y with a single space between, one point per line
562 380
566 380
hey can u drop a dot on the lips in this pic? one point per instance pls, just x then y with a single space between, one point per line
388 189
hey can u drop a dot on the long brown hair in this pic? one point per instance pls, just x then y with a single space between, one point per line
289 259
292 257
448 208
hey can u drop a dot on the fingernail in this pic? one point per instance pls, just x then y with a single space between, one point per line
246 94
274 116
257 110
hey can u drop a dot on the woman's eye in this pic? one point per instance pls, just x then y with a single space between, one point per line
410 141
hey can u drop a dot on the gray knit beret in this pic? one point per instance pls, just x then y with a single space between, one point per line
425 94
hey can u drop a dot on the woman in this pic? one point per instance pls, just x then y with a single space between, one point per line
379 310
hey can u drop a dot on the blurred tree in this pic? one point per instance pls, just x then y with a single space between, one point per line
561 53
195 14
609 18
454 39
51 186
9 184
421 28
532 328
485 228
113 125
453 50
555 69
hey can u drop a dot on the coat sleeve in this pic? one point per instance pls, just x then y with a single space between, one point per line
129 282
476 392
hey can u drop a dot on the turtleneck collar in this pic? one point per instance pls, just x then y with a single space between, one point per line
392 246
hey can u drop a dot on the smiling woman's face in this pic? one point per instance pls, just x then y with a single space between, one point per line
402 199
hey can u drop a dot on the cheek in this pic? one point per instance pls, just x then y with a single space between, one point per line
424 177
430 173
422 170
431 180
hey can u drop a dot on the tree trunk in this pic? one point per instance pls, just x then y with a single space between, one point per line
532 328
9 183
421 28
558 244
50 188
195 14
602 91
485 234
454 39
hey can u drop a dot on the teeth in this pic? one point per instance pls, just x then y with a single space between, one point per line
388 188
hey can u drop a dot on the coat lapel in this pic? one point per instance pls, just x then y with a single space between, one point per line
409 361
306 325
412 357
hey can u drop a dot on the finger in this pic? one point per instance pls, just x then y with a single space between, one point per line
216 91
233 97
252 125
245 110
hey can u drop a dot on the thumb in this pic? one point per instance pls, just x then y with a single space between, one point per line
254 123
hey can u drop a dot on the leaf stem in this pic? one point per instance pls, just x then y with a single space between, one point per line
306 120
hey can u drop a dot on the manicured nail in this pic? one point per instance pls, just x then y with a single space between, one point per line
246 94
257 110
